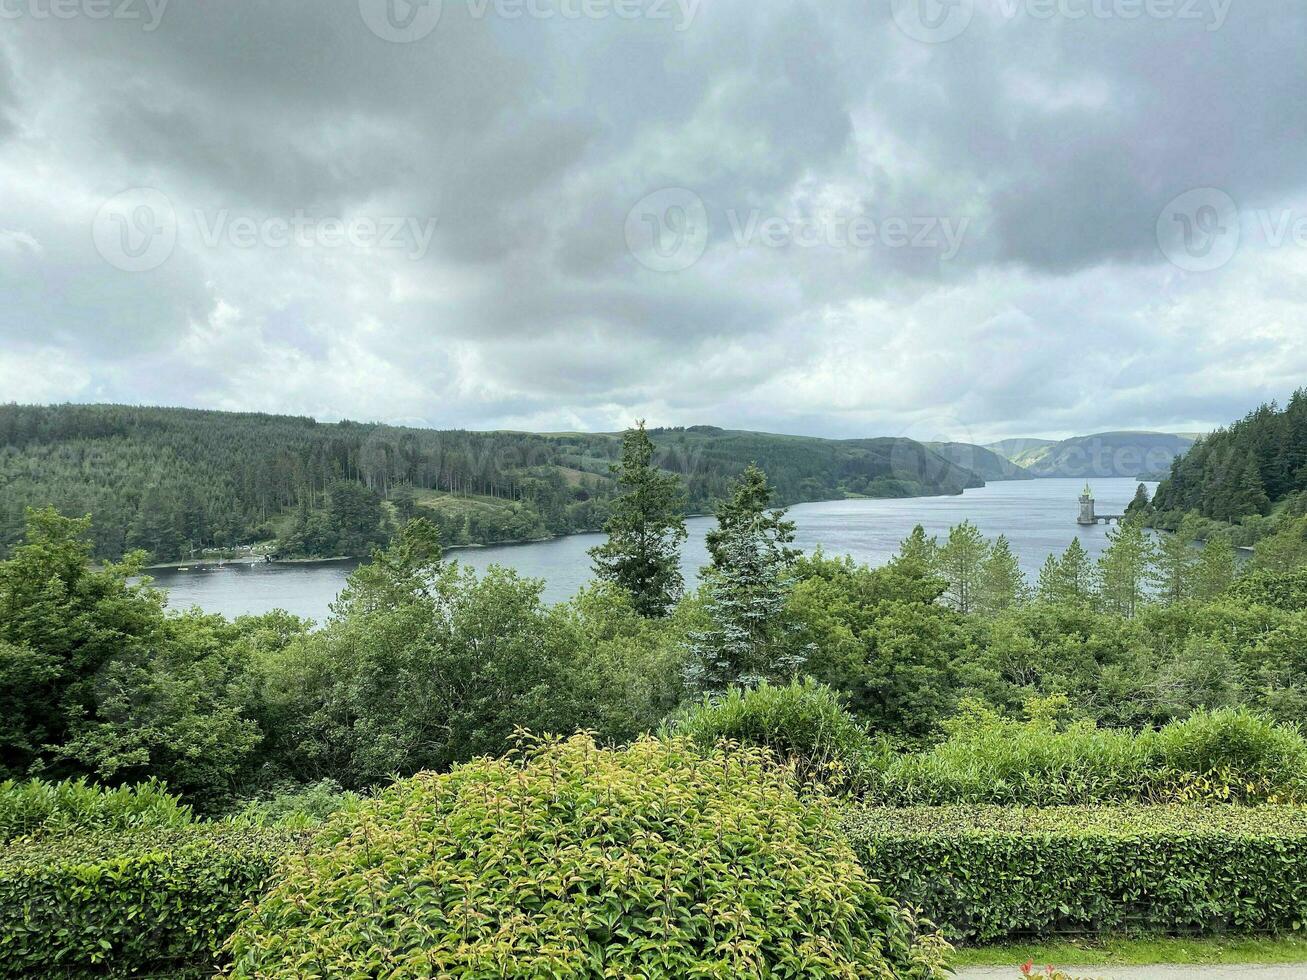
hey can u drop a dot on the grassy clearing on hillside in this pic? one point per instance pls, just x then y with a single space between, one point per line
1140 952
483 520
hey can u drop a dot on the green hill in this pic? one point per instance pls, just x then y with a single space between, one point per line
176 482
985 463
1010 449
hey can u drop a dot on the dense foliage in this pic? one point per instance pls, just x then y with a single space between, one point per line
572 861
991 873
175 482
137 903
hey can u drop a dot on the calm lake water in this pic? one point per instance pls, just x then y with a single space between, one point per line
1038 517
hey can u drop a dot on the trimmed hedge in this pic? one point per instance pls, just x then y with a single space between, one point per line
568 860
988 873
127 903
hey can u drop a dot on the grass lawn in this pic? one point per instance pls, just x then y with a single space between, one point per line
1139 952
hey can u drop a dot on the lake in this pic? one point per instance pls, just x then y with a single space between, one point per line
1038 517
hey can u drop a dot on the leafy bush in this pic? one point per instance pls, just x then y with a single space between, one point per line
35 808
803 723
987 873
143 901
1219 756
566 860
297 807
1286 591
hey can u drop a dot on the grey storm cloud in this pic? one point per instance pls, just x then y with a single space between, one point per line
896 229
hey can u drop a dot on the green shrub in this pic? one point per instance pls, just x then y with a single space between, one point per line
1280 590
803 723
297 807
990 873
36 807
566 860
147 900
1221 756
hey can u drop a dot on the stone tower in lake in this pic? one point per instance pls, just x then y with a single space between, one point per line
1087 515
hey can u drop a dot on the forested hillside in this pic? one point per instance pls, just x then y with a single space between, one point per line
176 482
1240 472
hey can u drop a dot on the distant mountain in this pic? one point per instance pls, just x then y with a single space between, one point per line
1105 454
1012 448
985 463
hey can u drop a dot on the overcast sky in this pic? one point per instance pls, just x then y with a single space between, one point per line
968 219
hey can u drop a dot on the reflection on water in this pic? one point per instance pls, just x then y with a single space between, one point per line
1038 517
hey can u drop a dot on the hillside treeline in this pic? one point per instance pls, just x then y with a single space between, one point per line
1240 472
177 482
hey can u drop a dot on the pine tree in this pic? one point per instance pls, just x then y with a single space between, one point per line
1177 563
1002 583
1068 580
1216 568
645 529
917 551
1127 568
746 512
748 585
1141 503
959 563
1250 494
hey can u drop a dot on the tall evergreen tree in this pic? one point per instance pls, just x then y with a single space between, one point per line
1251 495
1002 583
1216 568
748 584
745 512
960 562
1069 579
1127 568
1141 502
645 529
1177 563
918 551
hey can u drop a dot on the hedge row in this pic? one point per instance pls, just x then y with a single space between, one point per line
137 902
985 873
1211 757
34 808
